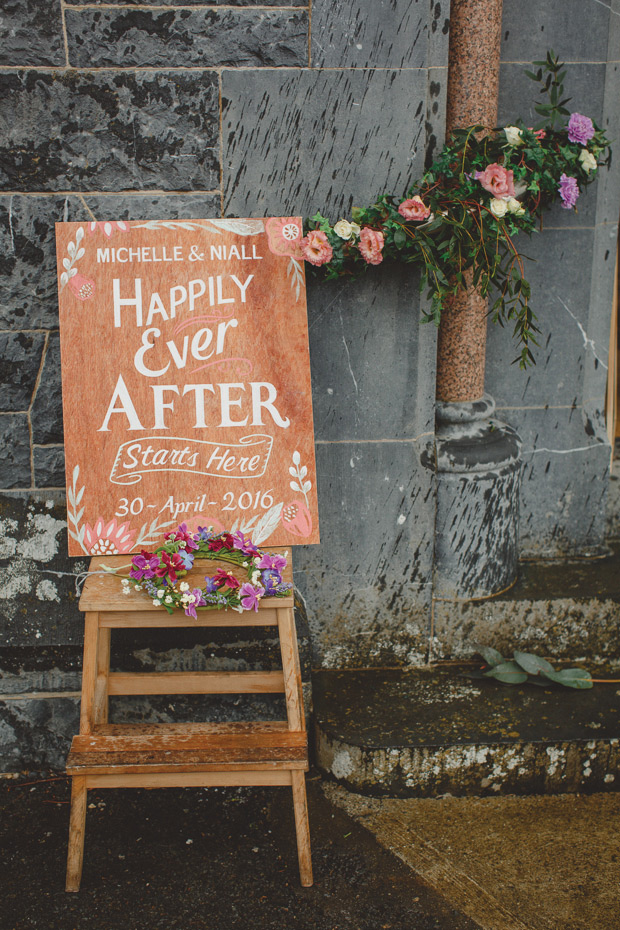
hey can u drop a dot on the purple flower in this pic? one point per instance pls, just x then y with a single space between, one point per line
250 596
275 562
144 565
245 544
190 609
569 191
271 579
580 129
211 586
182 534
204 533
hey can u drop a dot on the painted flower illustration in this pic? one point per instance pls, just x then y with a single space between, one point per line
108 537
108 228
81 287
284 234
296 519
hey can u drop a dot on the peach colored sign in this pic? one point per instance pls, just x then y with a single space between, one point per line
186 381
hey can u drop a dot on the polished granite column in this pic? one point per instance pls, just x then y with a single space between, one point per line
478 456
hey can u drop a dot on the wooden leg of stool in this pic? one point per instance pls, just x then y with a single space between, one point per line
77 826
302 828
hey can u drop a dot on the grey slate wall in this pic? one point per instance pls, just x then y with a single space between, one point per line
206 109
558 407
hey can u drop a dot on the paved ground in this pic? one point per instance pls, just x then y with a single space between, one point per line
512 863
216 859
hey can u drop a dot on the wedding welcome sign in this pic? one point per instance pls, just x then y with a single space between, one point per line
186 381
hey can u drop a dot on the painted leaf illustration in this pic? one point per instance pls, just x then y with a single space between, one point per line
240 227
267 524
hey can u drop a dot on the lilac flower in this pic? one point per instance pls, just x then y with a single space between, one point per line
199 601
580 129
271 579
275 562
569 191
249 595
187 558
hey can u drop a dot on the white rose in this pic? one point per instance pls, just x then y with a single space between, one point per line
343 229
156 603
515 207
184 586
161 592
588 161
355 229
168 600
513 135
498 207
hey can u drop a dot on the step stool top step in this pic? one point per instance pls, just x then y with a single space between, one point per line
103 592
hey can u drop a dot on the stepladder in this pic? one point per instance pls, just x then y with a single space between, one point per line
235 753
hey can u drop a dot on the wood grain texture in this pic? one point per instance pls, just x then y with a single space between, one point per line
195 412
195 682
190 779
188 736
77 825
302 828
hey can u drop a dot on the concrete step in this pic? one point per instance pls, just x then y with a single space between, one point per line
431 731
566 608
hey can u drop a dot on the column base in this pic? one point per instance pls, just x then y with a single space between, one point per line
478 485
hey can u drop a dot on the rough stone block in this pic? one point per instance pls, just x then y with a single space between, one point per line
15 445
295 142
104 130
46 415
150 206
584 84
185 38
36 734
49 466
373 362
355 34
579 30
38 598
31 33
20 360
28 294
368 585
561 301
565 473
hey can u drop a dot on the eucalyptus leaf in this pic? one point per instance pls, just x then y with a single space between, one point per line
531 663
508 673
578 678
491 656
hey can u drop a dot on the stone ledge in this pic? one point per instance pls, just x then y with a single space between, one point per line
430 731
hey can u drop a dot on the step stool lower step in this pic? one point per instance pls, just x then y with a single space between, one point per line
431 731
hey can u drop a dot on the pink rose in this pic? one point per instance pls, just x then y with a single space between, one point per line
315 247
497 180
414 209
370 245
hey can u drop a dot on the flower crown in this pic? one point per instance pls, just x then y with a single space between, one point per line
157 573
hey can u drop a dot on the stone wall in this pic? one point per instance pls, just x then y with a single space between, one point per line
196 110
558 407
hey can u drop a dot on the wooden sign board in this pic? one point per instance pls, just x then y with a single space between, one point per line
186 381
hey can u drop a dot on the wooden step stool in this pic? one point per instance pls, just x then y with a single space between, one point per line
183 754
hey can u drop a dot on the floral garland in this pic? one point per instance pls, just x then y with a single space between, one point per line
157 573
458 221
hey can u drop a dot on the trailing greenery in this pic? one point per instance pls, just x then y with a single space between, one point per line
526 667
459 220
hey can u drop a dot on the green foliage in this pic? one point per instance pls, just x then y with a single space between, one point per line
527 667
464 240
